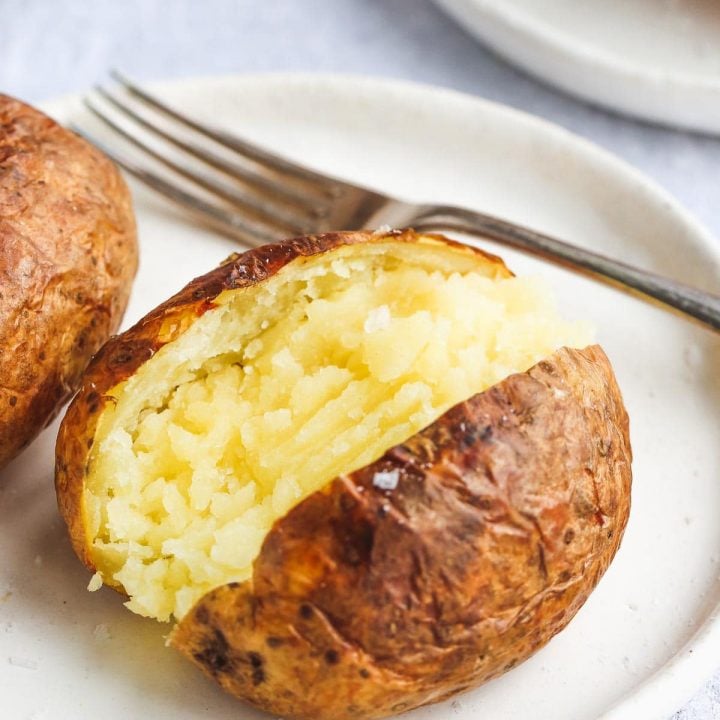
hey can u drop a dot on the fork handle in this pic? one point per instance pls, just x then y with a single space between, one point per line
696 304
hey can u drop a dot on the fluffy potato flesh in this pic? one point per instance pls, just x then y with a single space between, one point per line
283 386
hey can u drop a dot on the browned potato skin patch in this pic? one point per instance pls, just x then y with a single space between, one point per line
68 254
366 602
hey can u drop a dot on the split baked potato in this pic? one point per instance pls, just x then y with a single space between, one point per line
68 254
361 471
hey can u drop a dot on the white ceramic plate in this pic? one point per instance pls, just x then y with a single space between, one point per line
656 59
647 637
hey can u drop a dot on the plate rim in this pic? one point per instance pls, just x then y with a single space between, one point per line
684 673
641 83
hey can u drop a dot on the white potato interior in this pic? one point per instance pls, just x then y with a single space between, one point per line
280 388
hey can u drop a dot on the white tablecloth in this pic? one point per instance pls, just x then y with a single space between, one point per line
54 47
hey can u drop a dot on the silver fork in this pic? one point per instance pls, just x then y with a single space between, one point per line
256 196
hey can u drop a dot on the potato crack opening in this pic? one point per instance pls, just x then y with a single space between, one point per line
281 387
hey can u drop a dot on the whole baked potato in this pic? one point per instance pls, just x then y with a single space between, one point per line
362 471
68 255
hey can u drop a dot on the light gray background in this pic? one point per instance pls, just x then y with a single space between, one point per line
53 47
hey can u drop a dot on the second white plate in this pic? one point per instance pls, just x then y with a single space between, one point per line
656 59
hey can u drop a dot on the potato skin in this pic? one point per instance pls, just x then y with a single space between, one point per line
366 602
68 254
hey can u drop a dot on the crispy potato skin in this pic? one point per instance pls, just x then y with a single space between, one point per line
122 355
68 254
366 602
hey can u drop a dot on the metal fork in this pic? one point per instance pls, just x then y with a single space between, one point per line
256 196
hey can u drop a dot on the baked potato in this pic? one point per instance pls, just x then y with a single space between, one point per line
68 255
361 471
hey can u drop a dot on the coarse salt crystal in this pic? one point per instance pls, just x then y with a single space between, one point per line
377 319
382 230
386 480
341 269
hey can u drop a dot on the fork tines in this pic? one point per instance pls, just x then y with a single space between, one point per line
242 189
